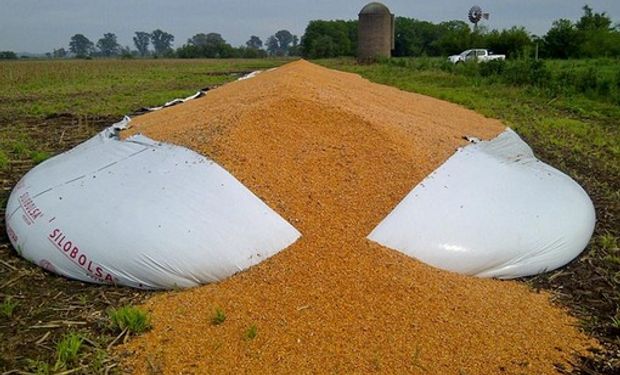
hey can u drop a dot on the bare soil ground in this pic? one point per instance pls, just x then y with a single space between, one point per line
590 285
48 306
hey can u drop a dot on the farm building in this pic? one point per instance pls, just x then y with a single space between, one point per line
375 32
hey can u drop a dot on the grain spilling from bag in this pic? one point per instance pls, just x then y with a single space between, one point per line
333 154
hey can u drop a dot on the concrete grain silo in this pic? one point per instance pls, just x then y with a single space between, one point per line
375 32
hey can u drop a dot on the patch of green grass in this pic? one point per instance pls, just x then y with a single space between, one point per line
71 356
67 350
16 144
251 332
38 367
614 259
7 308
130 318
608 242
615 322
4 160
39 156
98 362
20 148
218 317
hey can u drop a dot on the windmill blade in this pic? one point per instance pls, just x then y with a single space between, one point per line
474 14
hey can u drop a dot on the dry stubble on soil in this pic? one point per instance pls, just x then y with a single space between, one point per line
333 154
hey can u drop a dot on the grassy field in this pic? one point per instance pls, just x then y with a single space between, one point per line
50 324
109 87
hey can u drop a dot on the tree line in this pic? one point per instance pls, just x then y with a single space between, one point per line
282 43
158 43
593 35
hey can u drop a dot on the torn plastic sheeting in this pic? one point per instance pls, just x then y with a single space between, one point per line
198 94
176 101
249 75
492 210
140 213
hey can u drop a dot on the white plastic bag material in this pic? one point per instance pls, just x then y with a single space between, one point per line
140 213
492 210
198 94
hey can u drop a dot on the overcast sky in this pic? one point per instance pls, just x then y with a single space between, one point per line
42 25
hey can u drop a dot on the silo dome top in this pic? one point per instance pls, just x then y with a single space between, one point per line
375 8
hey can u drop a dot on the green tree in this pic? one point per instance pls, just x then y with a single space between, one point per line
416 38
599 37
324 46
207 45
249 53
404 36
329 39
593 21
513 42
295 48
203 40
454 38
280 43
8 55
59 53
108 45
142 40
285 39
562 40
127 53
212 45
162 42
254 42
272 45
188 51
81 46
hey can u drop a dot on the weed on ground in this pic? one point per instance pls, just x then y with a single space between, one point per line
129 318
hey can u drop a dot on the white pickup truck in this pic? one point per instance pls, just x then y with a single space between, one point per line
479 55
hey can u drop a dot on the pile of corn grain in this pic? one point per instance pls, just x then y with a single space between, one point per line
333 154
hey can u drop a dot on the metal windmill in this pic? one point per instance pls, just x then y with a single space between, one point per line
475 14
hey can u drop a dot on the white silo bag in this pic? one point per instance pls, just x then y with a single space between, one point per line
492 210
140 213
